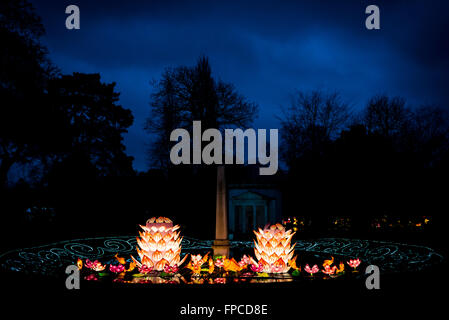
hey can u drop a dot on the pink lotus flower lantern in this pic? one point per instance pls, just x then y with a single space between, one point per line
329 270
244 261
95 265
354 263
312 270
117 268
219 263
256 268
168 269
145 269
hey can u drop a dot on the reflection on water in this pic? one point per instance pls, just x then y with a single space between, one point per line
186 279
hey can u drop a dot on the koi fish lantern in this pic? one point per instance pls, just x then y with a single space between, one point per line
273 248
159 245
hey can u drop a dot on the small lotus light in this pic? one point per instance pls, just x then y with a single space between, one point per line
145 269
312 270
354 263
116 268
256 268
245 261
195 263
96 265
219 263
329 270
168 269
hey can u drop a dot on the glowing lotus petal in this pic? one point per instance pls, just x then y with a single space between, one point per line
273 248
88 264
161 264
159 244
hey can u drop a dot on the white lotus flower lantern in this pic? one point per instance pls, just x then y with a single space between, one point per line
273 248
159 244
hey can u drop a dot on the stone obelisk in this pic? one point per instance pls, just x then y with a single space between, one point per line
221 243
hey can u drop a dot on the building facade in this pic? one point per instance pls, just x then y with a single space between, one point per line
251 207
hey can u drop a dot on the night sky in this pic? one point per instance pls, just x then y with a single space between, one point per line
267 49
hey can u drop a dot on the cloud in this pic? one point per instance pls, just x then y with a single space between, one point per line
266 48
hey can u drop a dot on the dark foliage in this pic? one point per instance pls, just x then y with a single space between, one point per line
186 94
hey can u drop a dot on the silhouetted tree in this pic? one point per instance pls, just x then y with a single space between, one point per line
24 71
94 121
165 117
310 122
428 136
185 94
388 117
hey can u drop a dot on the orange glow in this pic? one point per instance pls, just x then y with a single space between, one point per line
131 267
341 268
292 263
231 265
328 262
195 263
79 264
211 265
120 260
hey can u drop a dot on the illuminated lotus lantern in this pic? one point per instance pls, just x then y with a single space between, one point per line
273 248
159 245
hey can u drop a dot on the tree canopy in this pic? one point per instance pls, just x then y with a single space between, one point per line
184 94
24 73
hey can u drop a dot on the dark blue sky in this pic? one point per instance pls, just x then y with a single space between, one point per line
267 49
